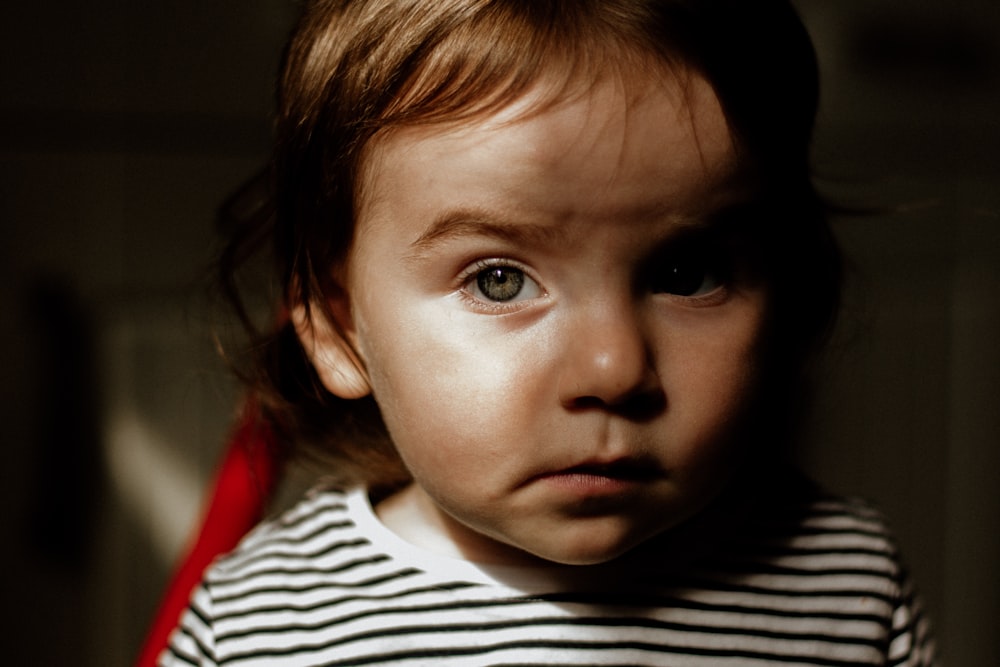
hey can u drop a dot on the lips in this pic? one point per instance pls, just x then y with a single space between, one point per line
632 469
624 469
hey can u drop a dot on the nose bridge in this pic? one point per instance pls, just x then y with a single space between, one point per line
608 357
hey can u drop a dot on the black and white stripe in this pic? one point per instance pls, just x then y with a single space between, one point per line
815 583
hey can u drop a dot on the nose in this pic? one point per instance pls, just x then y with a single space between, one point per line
609 364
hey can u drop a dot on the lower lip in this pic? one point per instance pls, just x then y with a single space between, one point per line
590 484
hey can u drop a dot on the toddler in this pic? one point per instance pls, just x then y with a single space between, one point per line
552 271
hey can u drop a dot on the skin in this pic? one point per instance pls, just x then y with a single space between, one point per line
599 405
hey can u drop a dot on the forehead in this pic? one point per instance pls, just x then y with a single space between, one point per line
642 139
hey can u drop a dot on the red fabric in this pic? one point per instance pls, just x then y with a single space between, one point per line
245 479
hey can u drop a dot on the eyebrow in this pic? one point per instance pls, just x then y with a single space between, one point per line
468 223
473 222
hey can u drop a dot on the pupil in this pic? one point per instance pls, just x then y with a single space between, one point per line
684 281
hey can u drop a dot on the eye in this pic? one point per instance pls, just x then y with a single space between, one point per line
688 272
685 279
499 282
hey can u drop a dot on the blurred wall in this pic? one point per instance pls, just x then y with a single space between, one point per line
910 404
124 125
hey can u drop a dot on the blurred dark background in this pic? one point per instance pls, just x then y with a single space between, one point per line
124 125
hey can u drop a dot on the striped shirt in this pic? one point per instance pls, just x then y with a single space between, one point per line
815 581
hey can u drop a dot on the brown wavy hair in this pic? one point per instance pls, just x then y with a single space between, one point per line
355 68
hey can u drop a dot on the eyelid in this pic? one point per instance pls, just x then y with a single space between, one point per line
715 297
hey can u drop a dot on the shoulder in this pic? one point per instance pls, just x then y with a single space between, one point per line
325 537
823 534
851 542
317 521
795 547
788 507
321 544
819 520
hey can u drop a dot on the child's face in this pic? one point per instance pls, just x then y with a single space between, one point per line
559 365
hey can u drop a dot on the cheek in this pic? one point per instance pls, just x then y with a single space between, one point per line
719 376
441 384
710 384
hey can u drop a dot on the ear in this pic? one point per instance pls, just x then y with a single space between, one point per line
326 335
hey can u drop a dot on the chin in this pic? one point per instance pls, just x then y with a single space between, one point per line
590 549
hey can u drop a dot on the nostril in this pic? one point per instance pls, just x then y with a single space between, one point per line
642 406
638 406
588 403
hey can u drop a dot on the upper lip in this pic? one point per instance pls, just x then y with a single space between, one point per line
629 467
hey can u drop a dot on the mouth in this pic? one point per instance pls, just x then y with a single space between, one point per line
628 469
598 478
